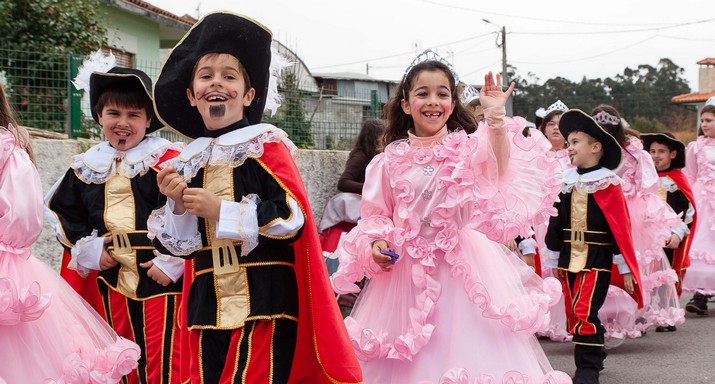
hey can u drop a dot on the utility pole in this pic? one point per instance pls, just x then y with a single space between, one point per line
505 80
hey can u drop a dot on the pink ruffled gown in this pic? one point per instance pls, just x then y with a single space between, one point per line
457 307
651 222
48 333
700 171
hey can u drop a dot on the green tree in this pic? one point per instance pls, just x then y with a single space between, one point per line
37 38
291 115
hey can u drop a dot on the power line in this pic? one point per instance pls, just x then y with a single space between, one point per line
561 33
610 51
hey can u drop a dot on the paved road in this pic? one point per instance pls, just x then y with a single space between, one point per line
686 356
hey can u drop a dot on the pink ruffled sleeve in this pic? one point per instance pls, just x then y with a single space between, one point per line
691 162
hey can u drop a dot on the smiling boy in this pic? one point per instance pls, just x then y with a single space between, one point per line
257 298
589 243
99 210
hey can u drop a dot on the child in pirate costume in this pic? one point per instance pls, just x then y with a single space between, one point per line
669 158
99 210
257 300
590 234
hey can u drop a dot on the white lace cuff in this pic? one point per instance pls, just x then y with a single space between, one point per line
681 231
528 246
171 266
177 233
621 264
239 221
86 254
550 258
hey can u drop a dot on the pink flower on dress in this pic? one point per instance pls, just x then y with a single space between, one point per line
422 156
455 376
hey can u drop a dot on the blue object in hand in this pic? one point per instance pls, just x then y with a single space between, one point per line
393 255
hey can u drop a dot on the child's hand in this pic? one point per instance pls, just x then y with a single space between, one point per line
491 94
106 261
383 261
171 185
559 274
202 203
673 242
156 274
511 244
529 259
629 282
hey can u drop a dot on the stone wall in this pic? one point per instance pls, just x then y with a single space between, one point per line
320 171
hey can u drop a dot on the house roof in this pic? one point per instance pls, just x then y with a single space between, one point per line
695 97
707 61
351 76
186 19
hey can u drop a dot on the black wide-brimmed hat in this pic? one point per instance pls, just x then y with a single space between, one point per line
120 77
578 120
218 32
666 137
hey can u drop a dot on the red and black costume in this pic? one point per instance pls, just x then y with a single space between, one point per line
110 193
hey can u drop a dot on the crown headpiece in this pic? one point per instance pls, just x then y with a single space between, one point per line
541 112
470 93
711 101
606 118
557 106
429 55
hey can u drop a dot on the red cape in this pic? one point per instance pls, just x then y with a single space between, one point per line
613 204
681 256
323 351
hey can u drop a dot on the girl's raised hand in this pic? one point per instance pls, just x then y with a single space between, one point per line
491 94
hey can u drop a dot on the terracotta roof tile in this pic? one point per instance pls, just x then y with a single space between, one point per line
184 19
692 97
707 61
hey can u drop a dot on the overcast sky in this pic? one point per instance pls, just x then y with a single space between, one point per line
571 39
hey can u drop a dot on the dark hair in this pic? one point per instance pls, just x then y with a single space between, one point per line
369 140
398 122
241 68
125 95
547 119
616 130
662 141
7 119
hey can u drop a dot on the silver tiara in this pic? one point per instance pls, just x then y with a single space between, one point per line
604 117
429 55
470 93
711 101
557 106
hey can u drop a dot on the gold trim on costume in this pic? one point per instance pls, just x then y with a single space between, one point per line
119 218
579 213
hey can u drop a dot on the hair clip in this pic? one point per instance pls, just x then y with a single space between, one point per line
428 55
557 106
604 117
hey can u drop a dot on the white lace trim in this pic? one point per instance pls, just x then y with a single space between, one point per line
99 163
589 182
667 183
248 223
77 250
218 152
156 225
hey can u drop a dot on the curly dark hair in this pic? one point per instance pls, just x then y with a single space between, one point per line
369 141
398 122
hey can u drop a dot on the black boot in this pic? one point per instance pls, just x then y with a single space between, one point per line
698 304
589 361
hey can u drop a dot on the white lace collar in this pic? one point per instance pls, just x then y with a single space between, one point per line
590 181
665 182
98 164
230 149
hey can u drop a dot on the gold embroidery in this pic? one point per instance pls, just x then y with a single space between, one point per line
662 193
579 213
119 219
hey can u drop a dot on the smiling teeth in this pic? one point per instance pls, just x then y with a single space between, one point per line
216 98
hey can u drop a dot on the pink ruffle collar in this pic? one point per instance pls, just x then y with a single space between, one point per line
417 141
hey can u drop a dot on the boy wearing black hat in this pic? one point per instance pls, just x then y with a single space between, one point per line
99 210
668 155
591 233
257 299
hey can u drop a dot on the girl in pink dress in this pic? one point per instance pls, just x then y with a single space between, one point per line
652 220
449 304
700 171
48 333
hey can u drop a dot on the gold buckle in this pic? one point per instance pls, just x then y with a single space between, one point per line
225 257
577 237
120 241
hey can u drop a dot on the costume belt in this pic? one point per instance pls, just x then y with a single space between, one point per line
123 250
579 237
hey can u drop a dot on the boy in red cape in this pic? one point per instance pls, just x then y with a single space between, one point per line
258 303
589 243
669 158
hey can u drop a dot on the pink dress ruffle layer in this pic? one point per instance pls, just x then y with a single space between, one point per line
700 171
48 333
651 222
457 307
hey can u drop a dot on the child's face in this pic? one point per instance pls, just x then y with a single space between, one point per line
707 124
582 153
551 131
124 127
662 156
429 102
219 91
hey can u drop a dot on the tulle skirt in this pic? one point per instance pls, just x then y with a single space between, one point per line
49 334
480 329
701 274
